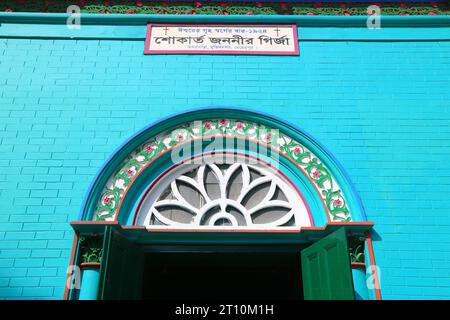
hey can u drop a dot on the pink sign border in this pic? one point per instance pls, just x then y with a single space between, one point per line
149 28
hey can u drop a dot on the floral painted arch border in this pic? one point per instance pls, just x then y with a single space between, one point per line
108 204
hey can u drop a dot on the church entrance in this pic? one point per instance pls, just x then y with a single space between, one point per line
137 264
200 206
231 274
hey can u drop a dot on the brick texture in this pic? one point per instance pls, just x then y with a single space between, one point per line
382 108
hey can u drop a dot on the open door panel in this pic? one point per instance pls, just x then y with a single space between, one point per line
121 270
326 269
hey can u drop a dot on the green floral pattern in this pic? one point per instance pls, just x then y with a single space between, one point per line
225 8
316 171
91 249
356 249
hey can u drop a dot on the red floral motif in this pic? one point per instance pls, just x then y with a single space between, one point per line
196 7
337 202
223 122
297 150
239 125
106 200
316 174
149 148
179 137
267 137
207 125
130 172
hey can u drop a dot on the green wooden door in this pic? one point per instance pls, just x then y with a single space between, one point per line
326 269
122 268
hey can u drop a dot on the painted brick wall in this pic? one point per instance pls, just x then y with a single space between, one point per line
381 107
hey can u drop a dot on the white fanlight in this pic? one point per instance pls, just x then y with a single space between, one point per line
216 193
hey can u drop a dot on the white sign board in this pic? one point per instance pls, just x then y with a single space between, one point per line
221 39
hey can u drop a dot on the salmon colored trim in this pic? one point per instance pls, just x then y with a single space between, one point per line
134 227
376 281
223 230
71 261
351 223
364 223
357 265
90 264
226 137
88 222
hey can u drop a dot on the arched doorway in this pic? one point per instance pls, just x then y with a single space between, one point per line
204 181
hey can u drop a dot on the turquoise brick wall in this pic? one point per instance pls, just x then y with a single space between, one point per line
381 107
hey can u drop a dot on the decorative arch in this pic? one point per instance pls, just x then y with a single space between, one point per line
124 180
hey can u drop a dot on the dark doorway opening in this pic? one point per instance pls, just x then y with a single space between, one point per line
223 275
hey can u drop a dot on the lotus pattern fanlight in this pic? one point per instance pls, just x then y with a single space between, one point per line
223 196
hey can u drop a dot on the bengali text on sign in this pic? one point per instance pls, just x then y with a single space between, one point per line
221 39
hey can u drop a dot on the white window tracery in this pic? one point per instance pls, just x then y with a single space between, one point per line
240 195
